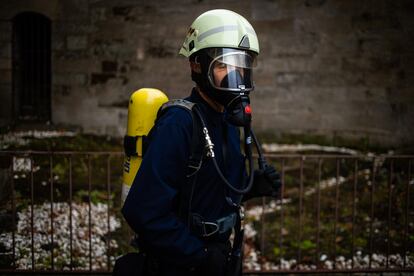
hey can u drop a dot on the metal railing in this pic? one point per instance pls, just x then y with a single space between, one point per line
30 168
331 207
375 171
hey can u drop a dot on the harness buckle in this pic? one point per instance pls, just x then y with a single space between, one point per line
208 228
208 234
226 223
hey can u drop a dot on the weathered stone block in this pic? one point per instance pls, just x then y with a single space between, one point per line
58 44
76 42
371 22
111 31
64 28
286 64
324 25
74 10
98 14
274 10
75 79
339 44
112 49
121 10
97 78
61 90
380 46
295 46
109 66
283 78
85 65
269 31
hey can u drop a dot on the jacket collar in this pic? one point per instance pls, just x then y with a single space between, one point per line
212 115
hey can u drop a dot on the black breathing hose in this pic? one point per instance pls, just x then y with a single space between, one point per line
251 169
210 152
261 160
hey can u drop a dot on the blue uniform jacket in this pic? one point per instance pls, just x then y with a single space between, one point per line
151 205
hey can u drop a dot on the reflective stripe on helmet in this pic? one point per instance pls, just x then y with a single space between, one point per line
220 29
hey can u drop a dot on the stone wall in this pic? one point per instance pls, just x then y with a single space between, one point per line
327 67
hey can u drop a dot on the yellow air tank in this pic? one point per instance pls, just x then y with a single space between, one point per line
142 112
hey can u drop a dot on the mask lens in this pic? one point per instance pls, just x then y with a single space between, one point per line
232 71
230 77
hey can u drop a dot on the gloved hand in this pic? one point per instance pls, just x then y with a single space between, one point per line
217 258
266 183
273 177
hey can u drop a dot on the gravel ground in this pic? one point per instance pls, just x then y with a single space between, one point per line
42 238
251 262
80 242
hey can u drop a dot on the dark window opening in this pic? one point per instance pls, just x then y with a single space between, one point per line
32 67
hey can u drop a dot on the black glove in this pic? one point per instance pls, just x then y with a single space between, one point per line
266 183
217 258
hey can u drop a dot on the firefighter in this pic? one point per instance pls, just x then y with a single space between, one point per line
185 200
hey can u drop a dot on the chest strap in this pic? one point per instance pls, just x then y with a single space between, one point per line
203 228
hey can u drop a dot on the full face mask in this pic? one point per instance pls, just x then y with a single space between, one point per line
226 77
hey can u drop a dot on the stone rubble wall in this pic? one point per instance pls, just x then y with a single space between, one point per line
331 68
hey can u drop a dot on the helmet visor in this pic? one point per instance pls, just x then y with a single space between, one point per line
231 69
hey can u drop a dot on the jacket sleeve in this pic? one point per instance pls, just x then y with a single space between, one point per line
149 206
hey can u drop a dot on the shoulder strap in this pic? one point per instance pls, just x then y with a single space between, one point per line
176 103
196 155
